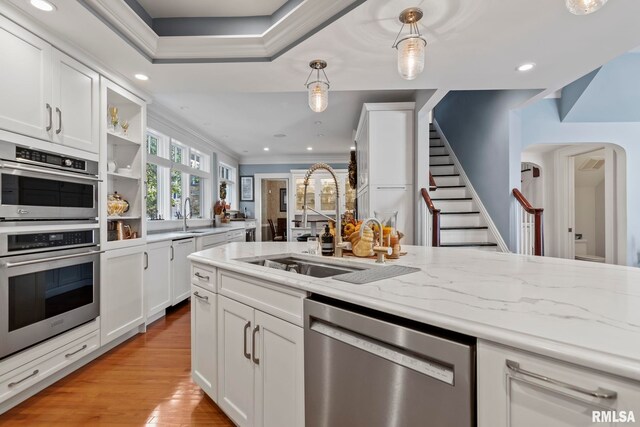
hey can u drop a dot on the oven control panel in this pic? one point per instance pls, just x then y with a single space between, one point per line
25 242
50 159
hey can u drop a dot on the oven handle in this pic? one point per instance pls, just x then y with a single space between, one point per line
58 258
4 165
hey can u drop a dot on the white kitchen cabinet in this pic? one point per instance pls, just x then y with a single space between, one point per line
181 269
26 78
121 292
45 93
210 241
260 367
235 366
236 236
157 278
540 391
279 372
384 140
76 90
204 366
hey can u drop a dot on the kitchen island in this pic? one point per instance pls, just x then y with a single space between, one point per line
574 322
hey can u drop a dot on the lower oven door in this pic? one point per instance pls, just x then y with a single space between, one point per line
44 295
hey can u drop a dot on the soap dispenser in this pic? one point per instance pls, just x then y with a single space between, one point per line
327 242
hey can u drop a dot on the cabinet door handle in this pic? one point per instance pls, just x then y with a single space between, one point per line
392 187
13 384
84 347
171 254
600 393
253 344
59 120
200 297
146 260
200 276
50 117
246 352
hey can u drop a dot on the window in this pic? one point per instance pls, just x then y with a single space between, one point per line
174 172
227 174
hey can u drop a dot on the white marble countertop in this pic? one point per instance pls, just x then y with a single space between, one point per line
202 231
580 312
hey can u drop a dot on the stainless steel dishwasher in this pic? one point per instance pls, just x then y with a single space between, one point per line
368 369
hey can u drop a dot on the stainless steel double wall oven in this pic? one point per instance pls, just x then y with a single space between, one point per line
49 245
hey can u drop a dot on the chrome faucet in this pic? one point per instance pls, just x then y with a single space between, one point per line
184 216
338 239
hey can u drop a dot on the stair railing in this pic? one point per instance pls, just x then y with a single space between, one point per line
435 217
531 227
432 183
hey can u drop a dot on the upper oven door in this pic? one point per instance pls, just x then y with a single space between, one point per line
31 192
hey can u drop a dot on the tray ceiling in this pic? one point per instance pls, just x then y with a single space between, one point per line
218 8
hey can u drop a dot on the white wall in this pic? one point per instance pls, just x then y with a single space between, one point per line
586 216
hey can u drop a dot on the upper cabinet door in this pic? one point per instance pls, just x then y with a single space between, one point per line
25 82
75 104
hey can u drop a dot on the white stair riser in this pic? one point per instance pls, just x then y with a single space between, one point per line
440 160
486 248
454 205
448 193
447 180
436 142
438 150
442 170
460 220
464 236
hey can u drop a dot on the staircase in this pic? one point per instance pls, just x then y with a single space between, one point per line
461 224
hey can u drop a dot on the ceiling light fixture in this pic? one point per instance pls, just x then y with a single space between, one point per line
411 48
266 148
142 77
584 7
528 66
352 148
309 148
43 5
319 88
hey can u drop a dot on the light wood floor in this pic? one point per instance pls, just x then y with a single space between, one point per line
145 381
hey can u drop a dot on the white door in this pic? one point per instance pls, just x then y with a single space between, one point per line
204 360
279 373
235 364
157 277
25 82
121 292
75 104
181 269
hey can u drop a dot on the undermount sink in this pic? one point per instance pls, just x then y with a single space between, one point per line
192 232
304 266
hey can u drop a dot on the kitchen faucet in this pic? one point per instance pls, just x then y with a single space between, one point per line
338 238
184 217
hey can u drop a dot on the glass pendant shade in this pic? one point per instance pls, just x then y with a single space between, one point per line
411 52
584 7
318 96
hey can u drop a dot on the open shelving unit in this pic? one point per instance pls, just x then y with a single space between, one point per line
126 151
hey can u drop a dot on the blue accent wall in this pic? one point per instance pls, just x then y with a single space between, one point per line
251 170
477 126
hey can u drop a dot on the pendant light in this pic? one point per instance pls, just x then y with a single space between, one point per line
319 88
584 7
411 48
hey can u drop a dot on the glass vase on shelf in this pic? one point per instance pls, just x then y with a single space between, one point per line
113 118
124 125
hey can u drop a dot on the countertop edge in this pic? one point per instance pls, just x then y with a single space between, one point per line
601 361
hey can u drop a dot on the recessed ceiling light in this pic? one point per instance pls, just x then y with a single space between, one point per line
318 122
43 5
142 77
320 135
309 148
280 135
528 66
266 148
352 148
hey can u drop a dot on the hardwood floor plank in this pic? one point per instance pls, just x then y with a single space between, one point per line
145 381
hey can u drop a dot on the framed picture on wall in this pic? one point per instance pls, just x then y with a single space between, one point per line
246 189
283 200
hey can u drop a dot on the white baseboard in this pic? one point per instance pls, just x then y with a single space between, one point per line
502 245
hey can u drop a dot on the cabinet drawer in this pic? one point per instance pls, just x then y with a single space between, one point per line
33 372
236 236
518 388
204 276
271 298
206 242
